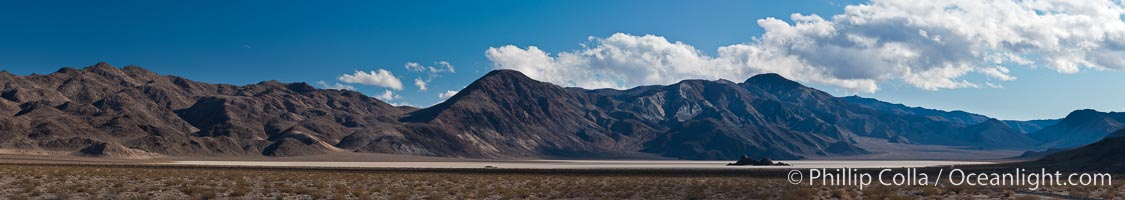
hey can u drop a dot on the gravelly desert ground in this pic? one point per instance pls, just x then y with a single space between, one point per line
86 181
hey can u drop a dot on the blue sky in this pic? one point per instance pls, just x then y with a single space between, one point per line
250 41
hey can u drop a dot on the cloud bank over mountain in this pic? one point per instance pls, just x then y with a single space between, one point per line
930 45
380 78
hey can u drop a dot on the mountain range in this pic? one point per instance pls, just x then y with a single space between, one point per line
1079 128
103 110
1102 156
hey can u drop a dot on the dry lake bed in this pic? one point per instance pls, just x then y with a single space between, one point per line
585 164
399 177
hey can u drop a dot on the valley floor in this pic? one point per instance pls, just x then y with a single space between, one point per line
91 181
56 175
883 150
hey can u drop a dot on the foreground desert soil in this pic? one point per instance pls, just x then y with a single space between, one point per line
86 181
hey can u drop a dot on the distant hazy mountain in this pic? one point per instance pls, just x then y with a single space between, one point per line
1079 128
1030 126
959 127
996 134
130 112
957 117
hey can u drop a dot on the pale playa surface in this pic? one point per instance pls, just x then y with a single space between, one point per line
883 150
586 164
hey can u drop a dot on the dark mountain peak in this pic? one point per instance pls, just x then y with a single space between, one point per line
700 86
105 70
140 73
504 74
135 70
134 67
66 70
503 78
101 66
271 83
772 81
1085 111
1083 115
770 78
697 82
502 85
1081 127
301 87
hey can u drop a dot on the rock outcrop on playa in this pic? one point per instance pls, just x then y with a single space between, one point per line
749 161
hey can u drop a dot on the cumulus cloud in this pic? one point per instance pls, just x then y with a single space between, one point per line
927 44
401 104
993 85
431 71
447 66
445 95
420 83
380 78
998 73
388 96
337 86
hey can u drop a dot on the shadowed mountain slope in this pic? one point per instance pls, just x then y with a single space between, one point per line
1102 155
957 117
1079 128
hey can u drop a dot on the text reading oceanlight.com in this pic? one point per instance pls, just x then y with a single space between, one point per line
1032 179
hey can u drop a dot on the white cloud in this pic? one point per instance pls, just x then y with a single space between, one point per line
445 95
447 66
388 96
623 61
401 104
928 44
998 73
420 83
380 78
413 66
337 86
431 72
993 85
